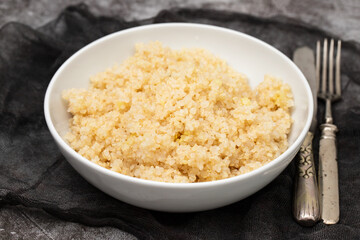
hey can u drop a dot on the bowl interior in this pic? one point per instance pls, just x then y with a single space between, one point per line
244 53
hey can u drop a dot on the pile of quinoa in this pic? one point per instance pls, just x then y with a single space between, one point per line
178 116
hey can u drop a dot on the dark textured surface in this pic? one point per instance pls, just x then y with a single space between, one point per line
34 174
340 17
34 223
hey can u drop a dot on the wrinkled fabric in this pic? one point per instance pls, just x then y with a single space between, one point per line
34 174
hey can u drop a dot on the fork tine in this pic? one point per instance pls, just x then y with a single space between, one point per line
325 51
331 68
337 76
318 65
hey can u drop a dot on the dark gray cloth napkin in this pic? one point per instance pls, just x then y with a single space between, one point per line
34 174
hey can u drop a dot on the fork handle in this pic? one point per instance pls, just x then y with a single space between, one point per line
328 175
306 209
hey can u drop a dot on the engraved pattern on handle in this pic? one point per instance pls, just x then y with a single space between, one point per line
305 165
328 175
306 209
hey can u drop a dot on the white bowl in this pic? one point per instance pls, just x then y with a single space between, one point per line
243 52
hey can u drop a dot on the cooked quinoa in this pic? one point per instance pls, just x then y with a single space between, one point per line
178 116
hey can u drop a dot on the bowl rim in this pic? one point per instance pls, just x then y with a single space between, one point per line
153 183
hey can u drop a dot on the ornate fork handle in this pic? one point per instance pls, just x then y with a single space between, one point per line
328 174
306 207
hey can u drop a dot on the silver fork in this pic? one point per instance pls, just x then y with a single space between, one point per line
328 169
